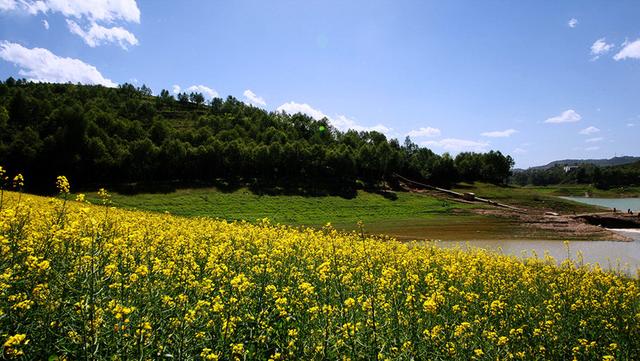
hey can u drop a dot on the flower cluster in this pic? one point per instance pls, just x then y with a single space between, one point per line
127 284
62 184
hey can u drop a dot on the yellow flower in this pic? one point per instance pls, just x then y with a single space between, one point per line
14 343
349 302
63 184
208 354
237 348
18 181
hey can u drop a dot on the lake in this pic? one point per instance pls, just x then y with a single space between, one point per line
624 256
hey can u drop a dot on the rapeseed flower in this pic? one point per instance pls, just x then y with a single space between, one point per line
130 284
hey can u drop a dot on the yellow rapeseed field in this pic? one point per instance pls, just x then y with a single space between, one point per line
80 281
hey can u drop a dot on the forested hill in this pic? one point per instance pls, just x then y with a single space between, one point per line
108 136
586 173
597 162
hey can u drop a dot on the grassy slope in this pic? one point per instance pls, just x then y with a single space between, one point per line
294 210
410 216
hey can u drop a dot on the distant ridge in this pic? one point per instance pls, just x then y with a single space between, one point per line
599 162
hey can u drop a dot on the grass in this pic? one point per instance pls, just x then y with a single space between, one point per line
409 216
242 204
579 190
541 199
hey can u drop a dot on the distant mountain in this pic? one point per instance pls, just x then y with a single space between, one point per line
599 162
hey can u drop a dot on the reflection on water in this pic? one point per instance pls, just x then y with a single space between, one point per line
624 256
621 204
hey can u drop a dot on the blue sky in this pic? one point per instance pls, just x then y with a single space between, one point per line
537 80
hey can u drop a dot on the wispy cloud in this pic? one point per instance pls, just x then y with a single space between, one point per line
630 50
41 65
45 23
108 11
589 130
594 140
519 151
97 35
424 132
458 145
253 98
600 47
86 17
568 116
499 133
572 23
590 149
6 5
340 122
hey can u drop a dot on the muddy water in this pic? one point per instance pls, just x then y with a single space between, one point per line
623 256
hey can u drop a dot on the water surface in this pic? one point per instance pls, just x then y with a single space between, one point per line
622 204
615 255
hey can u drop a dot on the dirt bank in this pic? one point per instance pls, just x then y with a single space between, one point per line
564 226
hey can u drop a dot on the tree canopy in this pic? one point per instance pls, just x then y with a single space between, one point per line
100 136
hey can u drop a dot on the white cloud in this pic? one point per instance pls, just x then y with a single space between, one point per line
630 50
340 122
45 23
97 35
589 149
594 140
41 65
500 133
519 151
206 91
253 98
176 88
6 5
631 124
94 10
293 108
87 13
600 47
573 23
568 116
343 123
458 145
589 130
424 132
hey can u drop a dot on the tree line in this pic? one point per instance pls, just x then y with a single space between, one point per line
600 177
104 136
